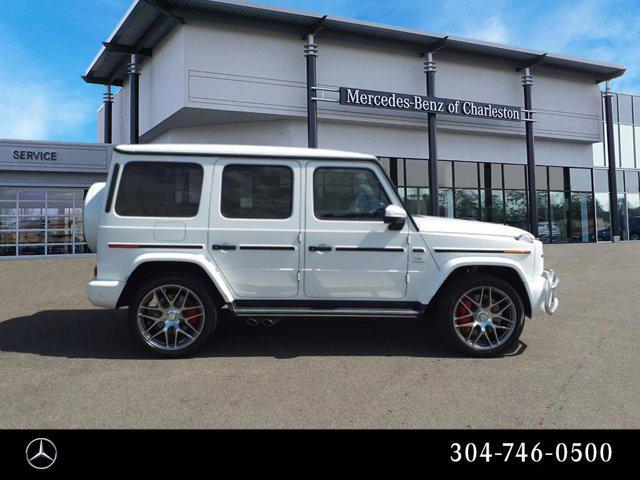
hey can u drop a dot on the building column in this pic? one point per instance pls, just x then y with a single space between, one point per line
107 98
134 97
527 85
611 157
430 71
311 53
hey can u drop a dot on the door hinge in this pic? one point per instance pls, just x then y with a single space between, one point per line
408 239
300 237
299 276
407 277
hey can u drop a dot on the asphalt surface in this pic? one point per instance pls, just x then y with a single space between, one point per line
66 364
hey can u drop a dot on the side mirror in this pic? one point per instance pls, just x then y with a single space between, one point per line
395 216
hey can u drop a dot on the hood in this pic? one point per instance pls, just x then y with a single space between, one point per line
456 226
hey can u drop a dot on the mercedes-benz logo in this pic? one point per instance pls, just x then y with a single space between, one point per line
41 453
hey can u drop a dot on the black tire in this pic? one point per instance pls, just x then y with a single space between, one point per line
196 289
448 302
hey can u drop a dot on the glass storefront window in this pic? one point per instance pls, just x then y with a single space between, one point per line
41 221
622 216
572 203
417 173
492 206
445 200
619 180
541 178
559 212
633 215
445 174
465 174
491 175
467 204
626 147
417 201
514 177
545 232
631 182
601 180
603 217
582 225
556 178
516 208
580 179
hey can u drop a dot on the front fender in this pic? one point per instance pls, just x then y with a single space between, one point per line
454 263
212 271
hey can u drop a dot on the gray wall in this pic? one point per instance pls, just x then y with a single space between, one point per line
213 82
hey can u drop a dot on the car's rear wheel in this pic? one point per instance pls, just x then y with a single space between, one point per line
172 316
481 315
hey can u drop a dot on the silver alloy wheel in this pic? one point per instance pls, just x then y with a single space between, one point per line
170 317
485 317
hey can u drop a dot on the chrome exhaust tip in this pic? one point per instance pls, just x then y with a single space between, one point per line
252 322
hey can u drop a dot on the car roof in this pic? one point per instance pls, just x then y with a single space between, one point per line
240 151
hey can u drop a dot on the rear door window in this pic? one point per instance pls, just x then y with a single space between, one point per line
257 191
159 189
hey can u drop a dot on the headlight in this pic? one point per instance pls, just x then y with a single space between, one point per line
526 237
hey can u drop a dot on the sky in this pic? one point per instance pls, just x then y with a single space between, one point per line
46 45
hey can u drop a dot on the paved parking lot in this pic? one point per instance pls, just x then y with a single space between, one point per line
66 364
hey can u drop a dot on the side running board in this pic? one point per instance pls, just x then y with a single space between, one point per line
324 312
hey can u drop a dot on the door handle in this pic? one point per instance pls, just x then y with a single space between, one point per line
319 248
223 247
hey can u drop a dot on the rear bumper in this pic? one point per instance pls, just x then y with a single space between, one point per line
543 290
104 293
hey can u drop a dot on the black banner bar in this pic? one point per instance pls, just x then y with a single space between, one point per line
303 452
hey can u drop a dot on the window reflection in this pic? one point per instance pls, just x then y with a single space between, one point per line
516 208
492 202
467 204
581 217
633 215
603 217
622 216
559 209
445 200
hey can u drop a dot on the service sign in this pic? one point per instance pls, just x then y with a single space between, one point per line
418 103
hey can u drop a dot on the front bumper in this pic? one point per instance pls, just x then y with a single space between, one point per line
104 293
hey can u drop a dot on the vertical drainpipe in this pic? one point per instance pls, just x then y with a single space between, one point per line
611 156
107 98
311 52
134 97
527 85
430 71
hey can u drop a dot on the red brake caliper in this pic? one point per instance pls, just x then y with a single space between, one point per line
190 312
465 307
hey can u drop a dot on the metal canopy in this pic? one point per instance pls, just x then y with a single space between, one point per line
148 21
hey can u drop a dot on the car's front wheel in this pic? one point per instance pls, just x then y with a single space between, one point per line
172 316
481 315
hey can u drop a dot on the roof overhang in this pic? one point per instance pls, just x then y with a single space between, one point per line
146 22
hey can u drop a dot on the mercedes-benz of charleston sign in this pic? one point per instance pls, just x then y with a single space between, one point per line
418 103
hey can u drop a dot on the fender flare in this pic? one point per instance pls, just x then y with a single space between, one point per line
194 258
456 263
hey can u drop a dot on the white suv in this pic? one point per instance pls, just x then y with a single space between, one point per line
184 231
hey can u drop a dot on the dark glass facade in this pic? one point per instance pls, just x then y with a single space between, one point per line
497 192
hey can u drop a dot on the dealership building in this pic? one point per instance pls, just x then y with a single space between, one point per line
475 121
